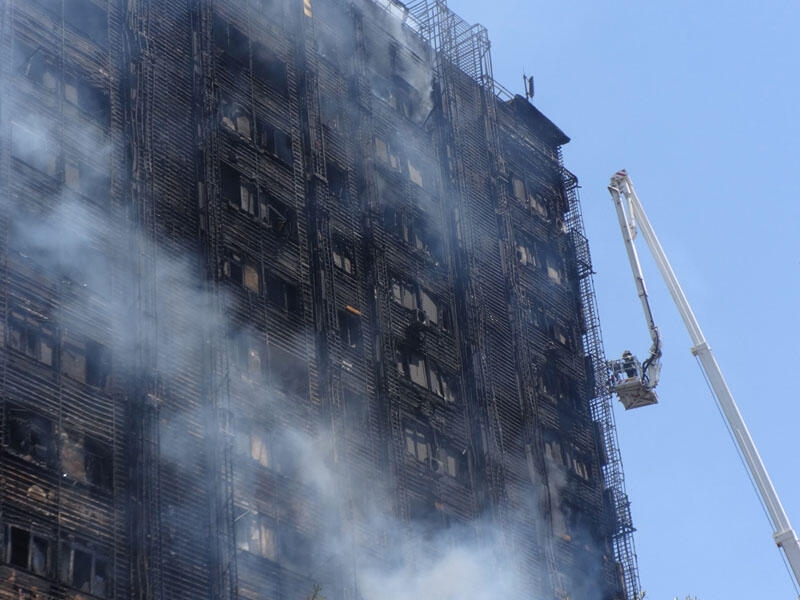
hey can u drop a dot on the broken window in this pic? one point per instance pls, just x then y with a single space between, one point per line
356 408
30 436
350 329
98 463
278 216
441 384
405 294
256 534
27 550
235 118
554 268
86 459
282 294
418 441
30 337
74 362
269 69
259 447
33 149
430 307
238 191
415 369
288 373
231 41
92 101
276 142
84 569
386 155
526 254
36 65
243 272
446 461
343 256
337 182
88 18
251 358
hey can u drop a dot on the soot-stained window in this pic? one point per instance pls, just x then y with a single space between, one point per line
343 256
230 40
283 295
256 534
243 272
337 182
28 550
33 63
270 70
275 142
350 329
288 373
85 569
29 335
90 100
85 361
30 436
235 118
86 459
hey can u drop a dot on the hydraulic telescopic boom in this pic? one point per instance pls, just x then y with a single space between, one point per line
785 537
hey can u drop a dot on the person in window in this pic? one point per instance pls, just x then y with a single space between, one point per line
628 364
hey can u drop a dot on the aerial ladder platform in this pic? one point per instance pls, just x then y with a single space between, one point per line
634 382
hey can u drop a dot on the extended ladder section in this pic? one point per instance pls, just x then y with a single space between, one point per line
785 537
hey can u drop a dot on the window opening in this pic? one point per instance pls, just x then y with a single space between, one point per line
235 118
270 70
276 142
30 337
282 294
256 534
343 257
30 436
350 330
287 372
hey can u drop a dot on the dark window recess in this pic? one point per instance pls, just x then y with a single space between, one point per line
33 149
428 514
87 362
276 142
235 118
243 272
28 336
27 550
91 101
356 408
88 18
231 41
84 569
350 330
287 372
279 217
294 548
419 442
337 182
30 436
269 69
343 258
237 190
283 294
36 65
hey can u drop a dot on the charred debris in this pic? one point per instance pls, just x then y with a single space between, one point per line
292 293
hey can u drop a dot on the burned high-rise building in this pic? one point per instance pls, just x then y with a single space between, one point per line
293 294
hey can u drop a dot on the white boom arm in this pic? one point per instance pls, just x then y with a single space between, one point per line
784 536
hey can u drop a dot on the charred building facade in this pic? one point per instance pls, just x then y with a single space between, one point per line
292 294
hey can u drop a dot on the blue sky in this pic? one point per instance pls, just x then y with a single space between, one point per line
698 100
